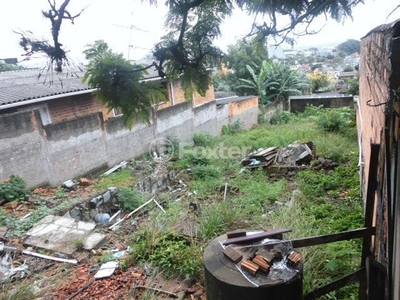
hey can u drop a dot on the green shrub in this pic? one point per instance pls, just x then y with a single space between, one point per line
282 118
336 120
206 172
130 198
173 254
233 128
203 139
13 189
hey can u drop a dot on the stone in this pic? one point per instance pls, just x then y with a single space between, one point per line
106 197
94 241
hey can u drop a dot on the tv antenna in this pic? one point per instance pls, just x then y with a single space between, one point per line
130 27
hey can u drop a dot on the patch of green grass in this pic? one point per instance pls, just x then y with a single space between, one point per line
170 252
120 178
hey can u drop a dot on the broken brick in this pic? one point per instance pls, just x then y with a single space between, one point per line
250 267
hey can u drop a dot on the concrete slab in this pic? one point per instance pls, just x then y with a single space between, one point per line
60 234
94 240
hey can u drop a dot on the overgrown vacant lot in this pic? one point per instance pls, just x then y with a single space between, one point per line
214 194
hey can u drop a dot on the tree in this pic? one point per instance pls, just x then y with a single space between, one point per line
188 50
55 51
236 59
119 84
349 46
320 81
348 68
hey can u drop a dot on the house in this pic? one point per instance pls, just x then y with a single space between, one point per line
378 120
64 97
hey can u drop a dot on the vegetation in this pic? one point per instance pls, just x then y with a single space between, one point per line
13 189
117 83
317 201
8 67
349 47
320 81
236 59
275 81
130 198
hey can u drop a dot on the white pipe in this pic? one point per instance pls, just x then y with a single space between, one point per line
71 261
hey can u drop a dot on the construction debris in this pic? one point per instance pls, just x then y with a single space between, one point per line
106 269
296 154
250 267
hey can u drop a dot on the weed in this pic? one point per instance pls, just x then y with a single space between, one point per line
170 252
130 198
205 172
78 243
233 128
13 189
203 139
19 292
106 257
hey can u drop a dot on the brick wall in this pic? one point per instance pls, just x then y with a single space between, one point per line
238 107
68 108
375 69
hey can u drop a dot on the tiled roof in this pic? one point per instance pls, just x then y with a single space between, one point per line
20 86
24 85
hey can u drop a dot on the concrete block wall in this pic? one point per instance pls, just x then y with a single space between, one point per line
22 148
123 143
75 147
205 118
54 153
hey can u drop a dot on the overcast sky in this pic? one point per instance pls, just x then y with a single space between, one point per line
112 21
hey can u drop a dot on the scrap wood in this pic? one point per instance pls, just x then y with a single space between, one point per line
71 261
254 237
156 290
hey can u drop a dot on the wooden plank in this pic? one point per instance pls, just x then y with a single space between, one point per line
232 254
369 212
333 237
255 237
264 152
335 285
376 279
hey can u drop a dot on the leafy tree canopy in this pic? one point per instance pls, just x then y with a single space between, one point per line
237 58
119 84
349 46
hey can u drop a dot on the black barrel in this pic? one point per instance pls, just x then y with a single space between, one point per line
225 282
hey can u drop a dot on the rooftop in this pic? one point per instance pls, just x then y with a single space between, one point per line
30 84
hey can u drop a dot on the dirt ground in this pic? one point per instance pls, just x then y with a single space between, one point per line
52 280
